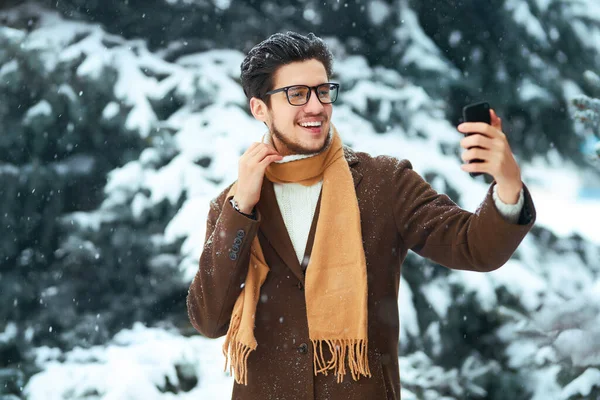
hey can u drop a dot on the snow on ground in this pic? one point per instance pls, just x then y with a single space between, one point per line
135 364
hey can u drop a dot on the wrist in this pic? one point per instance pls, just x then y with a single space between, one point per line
509 193
242 207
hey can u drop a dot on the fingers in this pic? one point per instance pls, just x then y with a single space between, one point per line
257 148
496 120
476 154
477 140
273 149
475 127
269 159
252 153
259 154
263 152
481 167
480 127
252 148
251 170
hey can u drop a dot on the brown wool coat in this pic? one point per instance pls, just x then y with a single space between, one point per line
399 212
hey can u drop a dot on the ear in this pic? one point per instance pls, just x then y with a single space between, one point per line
259 109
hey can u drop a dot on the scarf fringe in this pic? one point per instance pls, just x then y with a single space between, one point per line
354 350
236 353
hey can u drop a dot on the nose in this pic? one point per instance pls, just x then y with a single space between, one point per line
313 106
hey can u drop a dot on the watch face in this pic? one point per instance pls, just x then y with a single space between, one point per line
235 206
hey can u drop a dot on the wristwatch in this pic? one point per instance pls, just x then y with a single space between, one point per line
236 207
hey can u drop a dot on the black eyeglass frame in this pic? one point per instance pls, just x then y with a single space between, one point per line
310 90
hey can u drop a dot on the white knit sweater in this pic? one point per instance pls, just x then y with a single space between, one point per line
298 204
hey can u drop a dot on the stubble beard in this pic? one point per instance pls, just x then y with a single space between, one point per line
296 148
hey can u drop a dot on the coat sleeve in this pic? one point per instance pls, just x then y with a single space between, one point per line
435 227
222 268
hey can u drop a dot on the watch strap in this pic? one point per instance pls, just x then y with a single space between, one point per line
236 207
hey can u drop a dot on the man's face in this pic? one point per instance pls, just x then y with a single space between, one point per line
284 120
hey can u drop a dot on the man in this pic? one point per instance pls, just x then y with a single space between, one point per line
302 259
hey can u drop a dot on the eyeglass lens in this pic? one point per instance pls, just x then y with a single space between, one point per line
298 95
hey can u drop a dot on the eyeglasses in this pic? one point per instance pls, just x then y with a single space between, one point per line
299 95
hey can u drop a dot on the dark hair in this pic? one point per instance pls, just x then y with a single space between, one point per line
261 63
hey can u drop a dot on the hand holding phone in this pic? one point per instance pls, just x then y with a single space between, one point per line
476 112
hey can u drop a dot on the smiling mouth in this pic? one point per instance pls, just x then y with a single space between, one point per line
312 127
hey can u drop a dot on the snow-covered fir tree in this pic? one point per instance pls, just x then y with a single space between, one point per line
586 110
119 121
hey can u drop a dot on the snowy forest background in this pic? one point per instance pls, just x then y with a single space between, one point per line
121 119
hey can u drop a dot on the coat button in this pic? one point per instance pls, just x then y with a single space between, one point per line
303 348
241 233
237 240
235 248
233 256
300 286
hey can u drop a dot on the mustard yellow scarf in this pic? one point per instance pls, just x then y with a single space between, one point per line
335 283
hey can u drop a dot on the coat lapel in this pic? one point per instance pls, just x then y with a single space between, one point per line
273 226
311 237
274 229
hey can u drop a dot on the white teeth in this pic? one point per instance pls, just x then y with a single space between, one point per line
307 124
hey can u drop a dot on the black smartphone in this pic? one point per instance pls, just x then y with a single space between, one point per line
476 112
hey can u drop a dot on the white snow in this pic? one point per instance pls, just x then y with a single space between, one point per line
110 111
8 68
67 91
127 177
353 68
223 4
529 91
378 11
583 384
213 123
408 315
42 108
438 294
135 364
435 338
13 35
133 87
6 169
544 383
78 164
575 220
311 15
481 284
10 332
455 38
542 5
527 288
522 15
420 50
139 204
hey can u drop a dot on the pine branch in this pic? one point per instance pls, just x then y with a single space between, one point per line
593 80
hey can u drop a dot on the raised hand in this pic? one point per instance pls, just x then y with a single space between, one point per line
496 155
251 172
